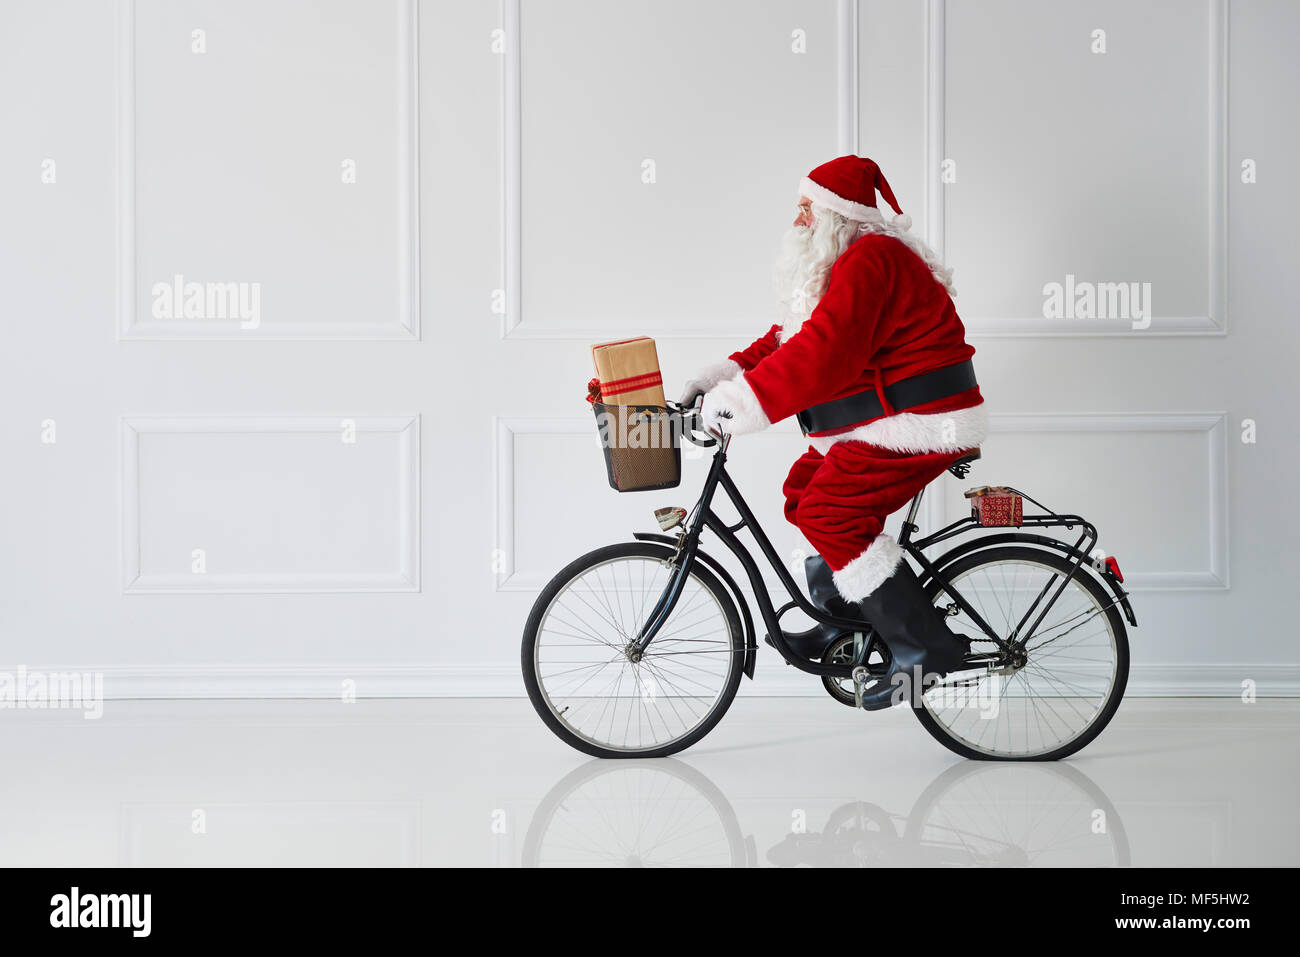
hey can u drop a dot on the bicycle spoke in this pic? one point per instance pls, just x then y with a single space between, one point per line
1069 674
581 655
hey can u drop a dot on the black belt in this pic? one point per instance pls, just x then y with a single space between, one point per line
903 394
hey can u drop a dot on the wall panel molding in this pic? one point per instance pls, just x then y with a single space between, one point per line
513 324
405 325
507 577
935 510
405 579
1215 320
846 67
1215 461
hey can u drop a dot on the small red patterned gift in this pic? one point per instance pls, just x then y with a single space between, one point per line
996 505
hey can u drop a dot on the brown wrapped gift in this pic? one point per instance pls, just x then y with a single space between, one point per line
628 370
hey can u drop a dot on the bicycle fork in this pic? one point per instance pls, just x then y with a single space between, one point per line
680 561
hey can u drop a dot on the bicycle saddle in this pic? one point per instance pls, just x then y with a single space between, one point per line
963 464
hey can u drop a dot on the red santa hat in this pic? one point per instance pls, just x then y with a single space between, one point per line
848 185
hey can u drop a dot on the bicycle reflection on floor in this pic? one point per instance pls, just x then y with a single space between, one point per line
666 813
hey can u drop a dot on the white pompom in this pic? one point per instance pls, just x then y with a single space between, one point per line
903 221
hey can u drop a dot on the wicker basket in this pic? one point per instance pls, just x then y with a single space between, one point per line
642 446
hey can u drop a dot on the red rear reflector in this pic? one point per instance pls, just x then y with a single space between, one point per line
1114 567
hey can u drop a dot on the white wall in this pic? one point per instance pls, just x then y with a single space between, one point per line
406 560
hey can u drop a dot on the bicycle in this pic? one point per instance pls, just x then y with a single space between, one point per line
636 678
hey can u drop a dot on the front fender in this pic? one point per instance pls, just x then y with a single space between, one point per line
751 646
1042 541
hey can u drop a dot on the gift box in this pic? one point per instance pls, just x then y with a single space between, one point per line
996 505
628 370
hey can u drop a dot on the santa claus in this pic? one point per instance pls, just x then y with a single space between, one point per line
872 359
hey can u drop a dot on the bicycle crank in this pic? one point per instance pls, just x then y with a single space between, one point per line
861 677
849 649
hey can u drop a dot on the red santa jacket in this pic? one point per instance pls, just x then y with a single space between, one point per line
883 317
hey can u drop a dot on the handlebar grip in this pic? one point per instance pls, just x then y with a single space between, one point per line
690 418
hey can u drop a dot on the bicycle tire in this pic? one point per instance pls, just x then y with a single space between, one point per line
647 550
1116 621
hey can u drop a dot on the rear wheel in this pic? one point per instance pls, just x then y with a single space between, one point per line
1074 670
604 701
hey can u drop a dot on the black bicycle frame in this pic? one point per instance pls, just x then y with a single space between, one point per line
703 516
1019 635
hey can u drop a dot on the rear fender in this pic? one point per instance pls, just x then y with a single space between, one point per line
1040 541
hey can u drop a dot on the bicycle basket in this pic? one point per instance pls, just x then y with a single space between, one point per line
642 446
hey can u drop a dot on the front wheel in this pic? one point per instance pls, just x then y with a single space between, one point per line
591 692
1074 669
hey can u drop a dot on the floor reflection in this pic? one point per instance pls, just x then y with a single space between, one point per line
782 783
667 813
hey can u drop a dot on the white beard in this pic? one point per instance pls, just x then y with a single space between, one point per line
803 265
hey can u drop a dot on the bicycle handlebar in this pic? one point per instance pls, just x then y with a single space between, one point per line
690 416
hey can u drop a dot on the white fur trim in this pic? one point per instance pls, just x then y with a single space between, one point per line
909 432
709 376
860 577
735 396
845 207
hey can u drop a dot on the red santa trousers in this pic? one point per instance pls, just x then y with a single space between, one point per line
840 501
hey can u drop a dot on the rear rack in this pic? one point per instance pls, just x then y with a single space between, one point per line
1079 552
1045 519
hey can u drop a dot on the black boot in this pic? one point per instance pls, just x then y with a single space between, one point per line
821 589
917 637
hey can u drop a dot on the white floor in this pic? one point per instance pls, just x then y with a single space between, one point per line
780 781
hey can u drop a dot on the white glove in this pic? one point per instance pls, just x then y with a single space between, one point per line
714 415
731 407
706 379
